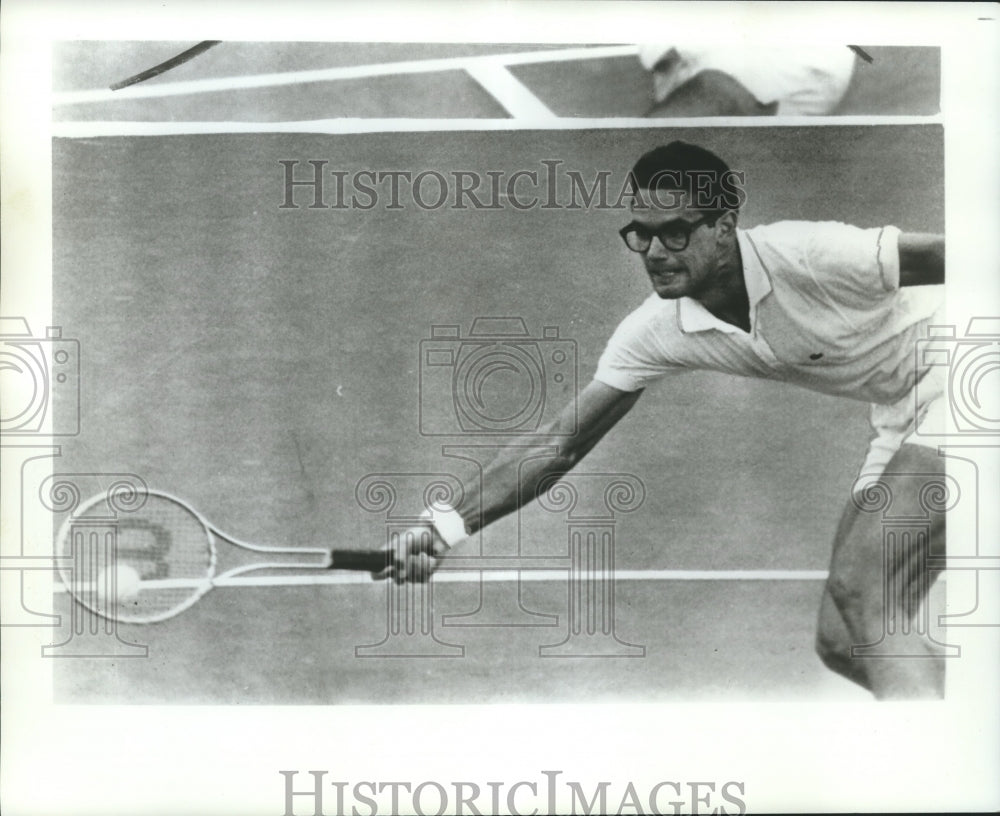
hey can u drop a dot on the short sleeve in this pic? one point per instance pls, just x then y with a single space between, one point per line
854 260
853 266
888 258
634 357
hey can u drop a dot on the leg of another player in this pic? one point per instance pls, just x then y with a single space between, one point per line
711 93
858 579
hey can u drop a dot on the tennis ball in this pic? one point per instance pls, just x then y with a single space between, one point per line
127 583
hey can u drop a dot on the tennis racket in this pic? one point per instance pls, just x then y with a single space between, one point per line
163 67
158 560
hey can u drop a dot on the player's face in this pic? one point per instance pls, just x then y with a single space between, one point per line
683 252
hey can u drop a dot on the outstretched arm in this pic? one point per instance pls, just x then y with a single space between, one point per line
921 259
509 481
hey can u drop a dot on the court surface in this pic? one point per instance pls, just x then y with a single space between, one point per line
421 80
261 361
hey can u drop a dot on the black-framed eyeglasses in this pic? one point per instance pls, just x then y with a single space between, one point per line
674 235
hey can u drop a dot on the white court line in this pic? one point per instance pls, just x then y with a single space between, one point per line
86 130
498 576
508 90
561 575
195 86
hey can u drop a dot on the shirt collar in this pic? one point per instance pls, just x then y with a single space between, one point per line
693 317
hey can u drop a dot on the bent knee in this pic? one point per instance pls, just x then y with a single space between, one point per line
831 650
831 637
861 604
845 592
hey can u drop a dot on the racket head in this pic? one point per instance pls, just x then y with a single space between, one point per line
141 566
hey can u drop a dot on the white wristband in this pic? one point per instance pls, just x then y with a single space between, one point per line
449 524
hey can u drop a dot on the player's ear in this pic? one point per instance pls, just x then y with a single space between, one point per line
726 225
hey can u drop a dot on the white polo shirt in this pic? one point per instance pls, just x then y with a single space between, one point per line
826 312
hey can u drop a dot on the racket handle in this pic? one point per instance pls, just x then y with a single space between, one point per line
362 560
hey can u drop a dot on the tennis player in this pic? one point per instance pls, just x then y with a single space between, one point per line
831 307
719 80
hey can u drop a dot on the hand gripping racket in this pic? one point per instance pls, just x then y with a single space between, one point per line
158 560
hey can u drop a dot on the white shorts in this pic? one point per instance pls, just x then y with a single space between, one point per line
803 80
917 419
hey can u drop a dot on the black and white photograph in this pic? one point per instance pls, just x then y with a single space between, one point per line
500 420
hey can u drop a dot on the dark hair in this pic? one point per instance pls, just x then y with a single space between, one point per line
683 167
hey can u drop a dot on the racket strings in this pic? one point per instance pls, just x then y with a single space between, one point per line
145 565
153 559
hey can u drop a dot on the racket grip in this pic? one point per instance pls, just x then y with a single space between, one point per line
362 560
